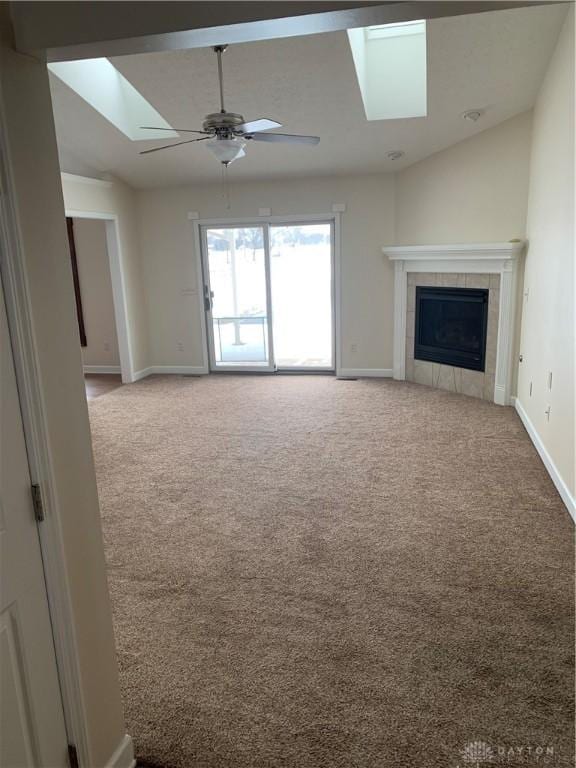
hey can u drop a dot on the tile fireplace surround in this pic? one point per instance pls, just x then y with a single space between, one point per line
480 265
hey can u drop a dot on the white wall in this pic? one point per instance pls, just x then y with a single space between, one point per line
33 158
96 291
169 258
547 343
117 199
474 191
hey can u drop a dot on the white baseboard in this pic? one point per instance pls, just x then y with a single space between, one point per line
123 756
137 375
200 370
191 370
183 370
561 486
379 373
102 369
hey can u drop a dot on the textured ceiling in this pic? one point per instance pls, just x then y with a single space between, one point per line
495 61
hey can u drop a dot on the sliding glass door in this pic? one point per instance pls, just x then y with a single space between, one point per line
301 278
268 294
236 296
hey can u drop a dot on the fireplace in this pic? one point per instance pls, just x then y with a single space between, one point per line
489 267
451 326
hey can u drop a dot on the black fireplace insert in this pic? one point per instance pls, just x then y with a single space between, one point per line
451 326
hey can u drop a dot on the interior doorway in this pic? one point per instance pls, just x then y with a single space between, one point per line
94 295
95 308
269 295
120 301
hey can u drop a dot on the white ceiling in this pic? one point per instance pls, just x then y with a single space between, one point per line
494 61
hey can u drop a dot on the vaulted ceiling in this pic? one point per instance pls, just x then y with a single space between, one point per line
494 61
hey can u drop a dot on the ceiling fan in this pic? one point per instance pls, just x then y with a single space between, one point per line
226 133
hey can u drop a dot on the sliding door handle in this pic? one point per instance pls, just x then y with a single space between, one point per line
208 296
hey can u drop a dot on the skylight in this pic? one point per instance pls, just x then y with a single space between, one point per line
394 30
99 83
390 61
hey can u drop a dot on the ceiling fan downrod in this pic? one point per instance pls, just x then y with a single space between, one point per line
219 50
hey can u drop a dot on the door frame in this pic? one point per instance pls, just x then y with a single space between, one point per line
34 419
332 218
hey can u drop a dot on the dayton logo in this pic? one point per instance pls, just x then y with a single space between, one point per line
477 752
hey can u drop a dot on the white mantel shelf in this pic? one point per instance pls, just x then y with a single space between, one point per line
467 251
492 258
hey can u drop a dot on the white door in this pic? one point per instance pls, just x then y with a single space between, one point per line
32 731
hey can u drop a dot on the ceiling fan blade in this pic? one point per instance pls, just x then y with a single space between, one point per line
285 138
177 144
259 125
177 130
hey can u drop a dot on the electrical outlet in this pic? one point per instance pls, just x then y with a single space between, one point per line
106 346
180 346
353 348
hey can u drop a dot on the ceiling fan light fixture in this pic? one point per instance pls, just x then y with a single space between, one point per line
227 150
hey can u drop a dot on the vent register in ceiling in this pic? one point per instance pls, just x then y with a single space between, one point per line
376 52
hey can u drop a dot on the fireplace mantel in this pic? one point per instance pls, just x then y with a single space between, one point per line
491 258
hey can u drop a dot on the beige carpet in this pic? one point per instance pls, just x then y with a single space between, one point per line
311 573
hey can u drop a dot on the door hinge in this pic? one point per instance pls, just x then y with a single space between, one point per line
73 756
37 502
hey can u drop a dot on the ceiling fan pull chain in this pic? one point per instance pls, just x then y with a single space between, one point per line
227 186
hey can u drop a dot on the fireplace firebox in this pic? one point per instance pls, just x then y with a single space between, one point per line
450 326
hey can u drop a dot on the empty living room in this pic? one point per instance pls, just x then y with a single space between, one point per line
288 468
